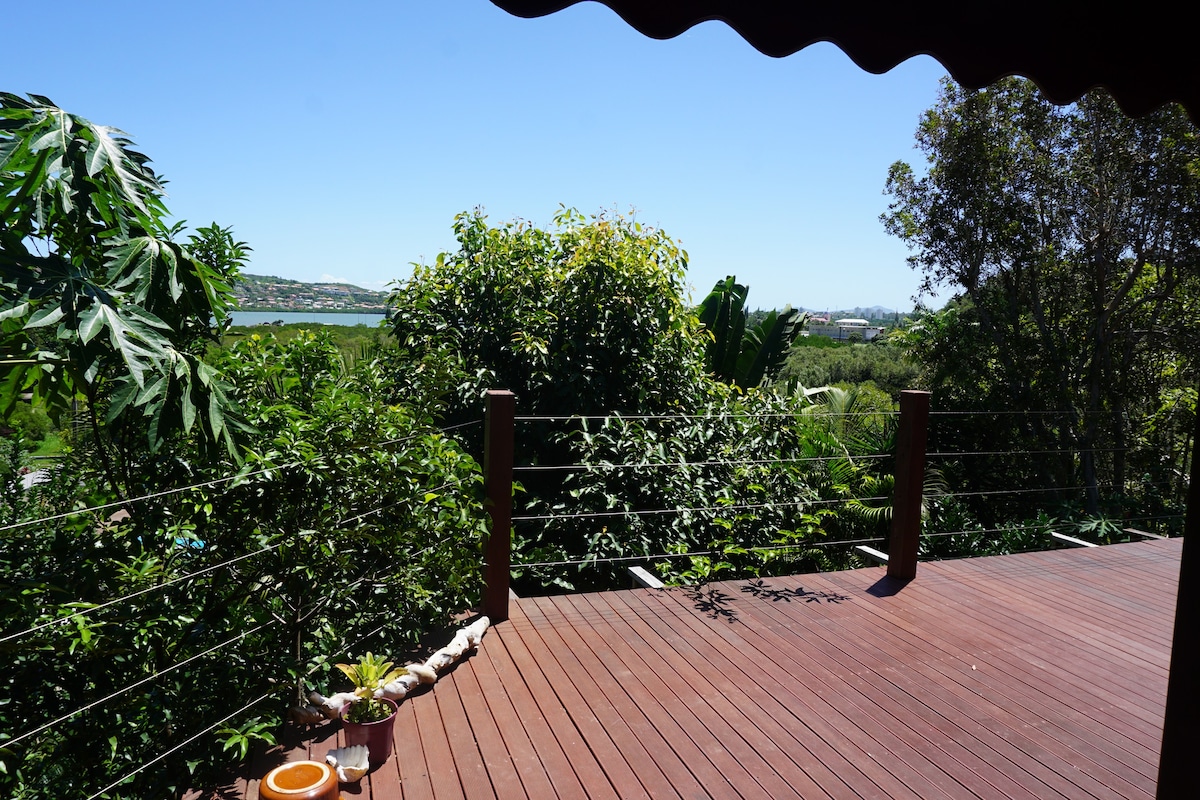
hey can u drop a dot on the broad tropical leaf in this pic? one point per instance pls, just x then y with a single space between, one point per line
742 357
125 303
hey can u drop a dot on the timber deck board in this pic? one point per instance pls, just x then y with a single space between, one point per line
1036 675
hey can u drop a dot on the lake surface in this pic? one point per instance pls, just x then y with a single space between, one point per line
287 317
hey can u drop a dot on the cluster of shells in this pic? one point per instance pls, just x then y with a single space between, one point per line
350 763
320 707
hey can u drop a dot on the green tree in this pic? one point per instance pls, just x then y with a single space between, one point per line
216 247
1072 238
588 317
389 502
352 523
85 252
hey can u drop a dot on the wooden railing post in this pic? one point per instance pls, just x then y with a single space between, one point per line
910 479
497 476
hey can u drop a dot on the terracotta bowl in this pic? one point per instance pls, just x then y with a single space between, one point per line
300 780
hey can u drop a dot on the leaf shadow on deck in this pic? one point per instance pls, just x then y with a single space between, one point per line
233 783
715 603
778 594
711 601
227 791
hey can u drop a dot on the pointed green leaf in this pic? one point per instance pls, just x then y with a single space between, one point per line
120 400
126 260
216 417
8 149
188 410
97 158
152 390
130 179
19 310
46 316
12 385
91 322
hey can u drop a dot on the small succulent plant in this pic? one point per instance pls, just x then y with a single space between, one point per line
368 675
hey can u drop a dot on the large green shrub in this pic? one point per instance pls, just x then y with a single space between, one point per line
29 424
588 317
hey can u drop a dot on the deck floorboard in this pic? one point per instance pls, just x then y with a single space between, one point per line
1035 675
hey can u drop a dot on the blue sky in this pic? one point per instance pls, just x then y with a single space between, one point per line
340 139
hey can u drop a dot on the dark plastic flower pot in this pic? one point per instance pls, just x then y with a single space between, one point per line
377 736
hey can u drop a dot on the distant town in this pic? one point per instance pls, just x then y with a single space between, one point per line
268 293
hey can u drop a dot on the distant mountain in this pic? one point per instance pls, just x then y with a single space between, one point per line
268 293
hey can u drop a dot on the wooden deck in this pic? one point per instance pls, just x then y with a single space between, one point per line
1040 675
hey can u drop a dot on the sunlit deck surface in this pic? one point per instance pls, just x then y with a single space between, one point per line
1040 675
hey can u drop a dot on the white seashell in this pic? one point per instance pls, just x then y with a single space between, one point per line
305 714
439 661
459 645
424 673
350 762
332 706
475 630
395 690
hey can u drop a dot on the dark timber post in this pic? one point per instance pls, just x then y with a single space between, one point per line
1181 736
497 476
910 478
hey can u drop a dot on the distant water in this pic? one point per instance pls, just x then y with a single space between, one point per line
261 317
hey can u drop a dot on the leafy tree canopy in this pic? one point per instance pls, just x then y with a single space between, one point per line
587 317
1072 237
87 257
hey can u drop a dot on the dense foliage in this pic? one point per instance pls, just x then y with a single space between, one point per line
741 352
86 255
748 483
165 596
353 522
300 500
585 318
1071 237
352 342
820 361
652 437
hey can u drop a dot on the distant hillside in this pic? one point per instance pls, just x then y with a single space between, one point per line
268 293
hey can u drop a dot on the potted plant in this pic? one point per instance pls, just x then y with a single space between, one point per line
368 719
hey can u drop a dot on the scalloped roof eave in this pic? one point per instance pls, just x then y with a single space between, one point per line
1144 56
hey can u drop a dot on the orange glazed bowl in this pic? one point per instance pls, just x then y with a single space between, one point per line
300 780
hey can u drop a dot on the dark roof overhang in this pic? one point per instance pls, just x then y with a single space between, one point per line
1144 54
